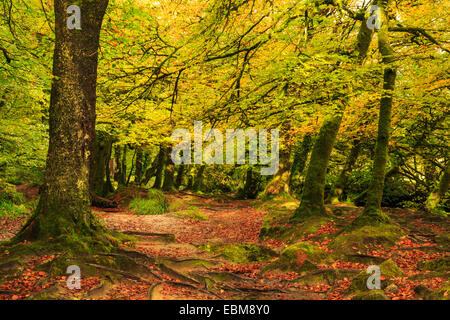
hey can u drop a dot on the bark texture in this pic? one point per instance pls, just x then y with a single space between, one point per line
64 205
298 164
372 214
312 201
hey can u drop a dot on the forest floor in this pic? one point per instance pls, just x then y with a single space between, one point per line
210 249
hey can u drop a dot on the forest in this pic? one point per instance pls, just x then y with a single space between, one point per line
224 150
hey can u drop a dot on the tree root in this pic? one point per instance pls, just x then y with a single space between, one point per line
101 202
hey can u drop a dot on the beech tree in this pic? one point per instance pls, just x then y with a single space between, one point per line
64 205
372 213
312 199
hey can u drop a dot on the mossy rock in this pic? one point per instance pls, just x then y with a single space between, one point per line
428 275
443 238
439 264
442 293
370 295
328 276
241 253
366 237
426 293
388 270
10 265
285 230
299 257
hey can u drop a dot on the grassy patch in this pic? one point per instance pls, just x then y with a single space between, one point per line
191 213
12 203
11 210
155 204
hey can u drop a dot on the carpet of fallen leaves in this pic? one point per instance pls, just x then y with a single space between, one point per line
229 221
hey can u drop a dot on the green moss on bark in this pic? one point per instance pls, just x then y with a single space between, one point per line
312 201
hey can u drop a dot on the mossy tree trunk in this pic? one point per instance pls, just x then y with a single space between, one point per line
180 176
102 154
429 173
198 180
298 164
159 172
312 200
252 185
279 184
372 214
139 165
445 181
121 162
151 171
145 164
108 184
118 158
123 167
341 184
442 188
190 176
64 205
133 162
169 173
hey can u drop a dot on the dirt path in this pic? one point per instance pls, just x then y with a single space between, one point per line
227 222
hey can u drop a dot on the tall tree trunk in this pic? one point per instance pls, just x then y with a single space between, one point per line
312 201
442 188
160 168
190 182
139 165
445 181
64 205
180 175
118 173
102 153
298 164
252 184
279 184
132 168
341 184
169 173
150 172
108 185
198 181
123 169
372 213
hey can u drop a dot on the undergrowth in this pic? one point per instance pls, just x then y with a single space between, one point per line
156 203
